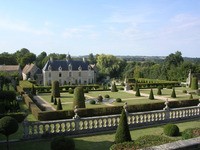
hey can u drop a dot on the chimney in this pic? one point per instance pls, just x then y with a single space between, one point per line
51 59
84 59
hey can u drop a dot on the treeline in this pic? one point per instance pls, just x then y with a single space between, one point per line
173 67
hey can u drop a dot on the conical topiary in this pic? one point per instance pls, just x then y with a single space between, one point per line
59 106
79 98
55 89
55 102
191 97
137 92
122 133
114 88
194 83
51 99
135 87
151 96
159 91
173 93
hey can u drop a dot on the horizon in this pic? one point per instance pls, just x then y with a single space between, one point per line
134 28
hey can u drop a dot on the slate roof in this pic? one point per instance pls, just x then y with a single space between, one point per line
27 68
64 65
39 71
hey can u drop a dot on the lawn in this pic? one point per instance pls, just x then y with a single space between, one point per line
99 142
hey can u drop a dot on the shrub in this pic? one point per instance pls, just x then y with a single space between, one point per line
8 126
151 96
173 95
92 102
106 96
51 99
20 116
55 102
118 100
184 91
79 98
85 90
160 87
33 90
71 91
122 133
171 130
123 146
121 88
55 89
194 83
59 106
187 134
137 92
169 87
159 92
62 143
191 97
99 98
114 88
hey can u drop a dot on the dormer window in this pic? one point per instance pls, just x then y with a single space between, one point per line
80 68
60 68
70 67
49 68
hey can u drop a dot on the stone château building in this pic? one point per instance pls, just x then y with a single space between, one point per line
71 72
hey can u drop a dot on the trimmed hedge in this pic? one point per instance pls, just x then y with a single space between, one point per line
20 116
171 130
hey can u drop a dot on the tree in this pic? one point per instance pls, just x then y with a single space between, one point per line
173 95
79 98
55 89
114 88
151 96
55 101
91 59
122 133
27 59
159 91
191 97
137 92
8 126
174 59
39 59
194 83
59 106
51 99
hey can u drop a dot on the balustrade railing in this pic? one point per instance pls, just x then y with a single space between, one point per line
79 125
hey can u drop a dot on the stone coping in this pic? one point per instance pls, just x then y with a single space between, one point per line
190 144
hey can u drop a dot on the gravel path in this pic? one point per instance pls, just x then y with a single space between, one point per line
44 103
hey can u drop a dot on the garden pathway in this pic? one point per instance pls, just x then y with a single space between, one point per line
45 104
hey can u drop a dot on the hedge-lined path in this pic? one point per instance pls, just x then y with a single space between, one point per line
45 104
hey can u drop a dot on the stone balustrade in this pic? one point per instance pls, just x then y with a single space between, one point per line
79 125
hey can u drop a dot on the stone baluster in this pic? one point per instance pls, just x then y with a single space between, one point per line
76 118
38 129
54 127
125 108
32 129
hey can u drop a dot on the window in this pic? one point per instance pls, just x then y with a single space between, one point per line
70 74
79 81
79 74
60 74
49 74
60 81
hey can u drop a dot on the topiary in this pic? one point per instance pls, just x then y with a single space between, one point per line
122 133
51 99
85 90
160 87
62 143
106 96
92 102
55 92
100 98
191 97
71 91
194 83
79 98
169 87
159 92
137 92
118 100
114 88
151 96
55 102
173 93
171 130
59 106
184 91
8 126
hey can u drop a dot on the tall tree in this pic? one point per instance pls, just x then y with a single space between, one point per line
91 59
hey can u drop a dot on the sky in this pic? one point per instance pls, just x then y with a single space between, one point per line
81 27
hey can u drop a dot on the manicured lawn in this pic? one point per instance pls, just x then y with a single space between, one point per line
100 142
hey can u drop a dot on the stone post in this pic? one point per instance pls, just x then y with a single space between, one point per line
167 109
125 108
76 118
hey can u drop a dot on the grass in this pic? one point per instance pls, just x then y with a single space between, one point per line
99 142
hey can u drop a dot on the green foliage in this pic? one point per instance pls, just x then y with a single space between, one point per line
191 97
33 90
171 130
123 146
118 100
55 89
106 96
19 116
100 98
137 92
79 98
184 91
122 133
151 96
71 91
62 143
169 87
85 90
187 134
159 91
55 101
59 106
173 95
52 99
92 102
194 83
114 88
